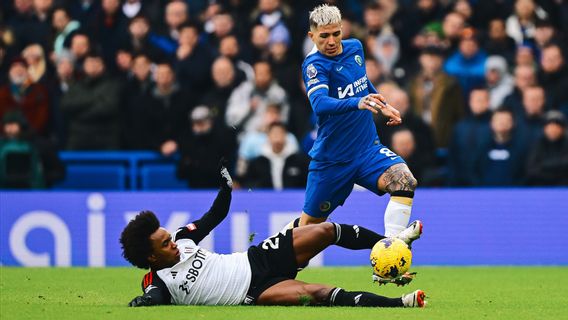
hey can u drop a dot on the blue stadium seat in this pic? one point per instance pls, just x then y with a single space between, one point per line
160 176
94 176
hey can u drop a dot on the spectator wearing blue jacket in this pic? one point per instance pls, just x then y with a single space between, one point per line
468 62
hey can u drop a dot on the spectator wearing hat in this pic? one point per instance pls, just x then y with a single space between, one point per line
21 94
91 108
467 64
436 97
201 148
499 81
548 160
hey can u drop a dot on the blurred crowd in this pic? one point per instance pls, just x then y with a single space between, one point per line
482 86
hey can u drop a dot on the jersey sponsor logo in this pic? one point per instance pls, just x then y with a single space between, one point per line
351 89
359 60
325 206
311 71
312 82
194 271
388 153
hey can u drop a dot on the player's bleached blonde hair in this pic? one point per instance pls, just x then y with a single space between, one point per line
323 15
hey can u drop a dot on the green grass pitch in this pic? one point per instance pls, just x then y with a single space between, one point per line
453 293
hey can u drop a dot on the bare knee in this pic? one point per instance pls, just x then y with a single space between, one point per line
324 231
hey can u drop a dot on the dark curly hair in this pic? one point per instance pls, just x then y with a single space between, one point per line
135 239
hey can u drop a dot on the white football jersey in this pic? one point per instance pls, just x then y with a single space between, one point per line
206 278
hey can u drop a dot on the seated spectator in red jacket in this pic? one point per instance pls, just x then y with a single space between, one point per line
21 94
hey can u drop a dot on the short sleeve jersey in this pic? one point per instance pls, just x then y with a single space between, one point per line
343 133
206 278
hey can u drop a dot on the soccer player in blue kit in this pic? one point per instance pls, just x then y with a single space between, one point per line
347 149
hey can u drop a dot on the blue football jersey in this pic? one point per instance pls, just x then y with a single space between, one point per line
334 86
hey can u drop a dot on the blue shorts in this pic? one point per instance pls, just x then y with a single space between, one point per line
329 184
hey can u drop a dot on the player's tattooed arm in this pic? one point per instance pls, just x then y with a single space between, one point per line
397 178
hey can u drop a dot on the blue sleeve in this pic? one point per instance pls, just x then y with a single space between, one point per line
323 104
371 87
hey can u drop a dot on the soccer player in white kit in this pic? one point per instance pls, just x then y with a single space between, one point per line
183 273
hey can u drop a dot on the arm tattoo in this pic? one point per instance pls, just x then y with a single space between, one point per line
398 178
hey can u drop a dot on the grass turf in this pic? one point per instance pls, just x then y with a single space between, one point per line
453 293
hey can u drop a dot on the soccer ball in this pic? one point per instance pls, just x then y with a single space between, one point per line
390 257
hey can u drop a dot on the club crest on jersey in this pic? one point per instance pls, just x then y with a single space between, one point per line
325 206
359 60
311 71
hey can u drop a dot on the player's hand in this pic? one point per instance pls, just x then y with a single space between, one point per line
225 177
388 111
402 280
141 301
370 102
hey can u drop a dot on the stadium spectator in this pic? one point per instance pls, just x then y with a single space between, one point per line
64 27
531 122
39 70
525 56
26 160
91 108
223 25
247 104
201 147
381 41
229 47
264 275
280 165
498 42
453 27
553 75
500 160
467 64
80 48
136 90
21 94
166 110
260 40
142 41
272 15
404 143
525 77
521 24
111 30
436 97
467 137
193 61
499 81
224 82
422 132
545 34
176 14
548 160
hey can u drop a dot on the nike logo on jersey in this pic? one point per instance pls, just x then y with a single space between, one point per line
338 68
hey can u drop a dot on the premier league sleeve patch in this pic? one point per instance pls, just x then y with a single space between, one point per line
311 71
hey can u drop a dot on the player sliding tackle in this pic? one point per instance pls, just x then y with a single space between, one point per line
347 149
181 272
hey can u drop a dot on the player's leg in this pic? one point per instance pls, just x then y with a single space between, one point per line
310 240
399 182
294 292
382 171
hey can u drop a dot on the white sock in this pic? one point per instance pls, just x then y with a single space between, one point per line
397 215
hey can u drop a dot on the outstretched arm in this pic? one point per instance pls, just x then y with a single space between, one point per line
199 229
155 292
